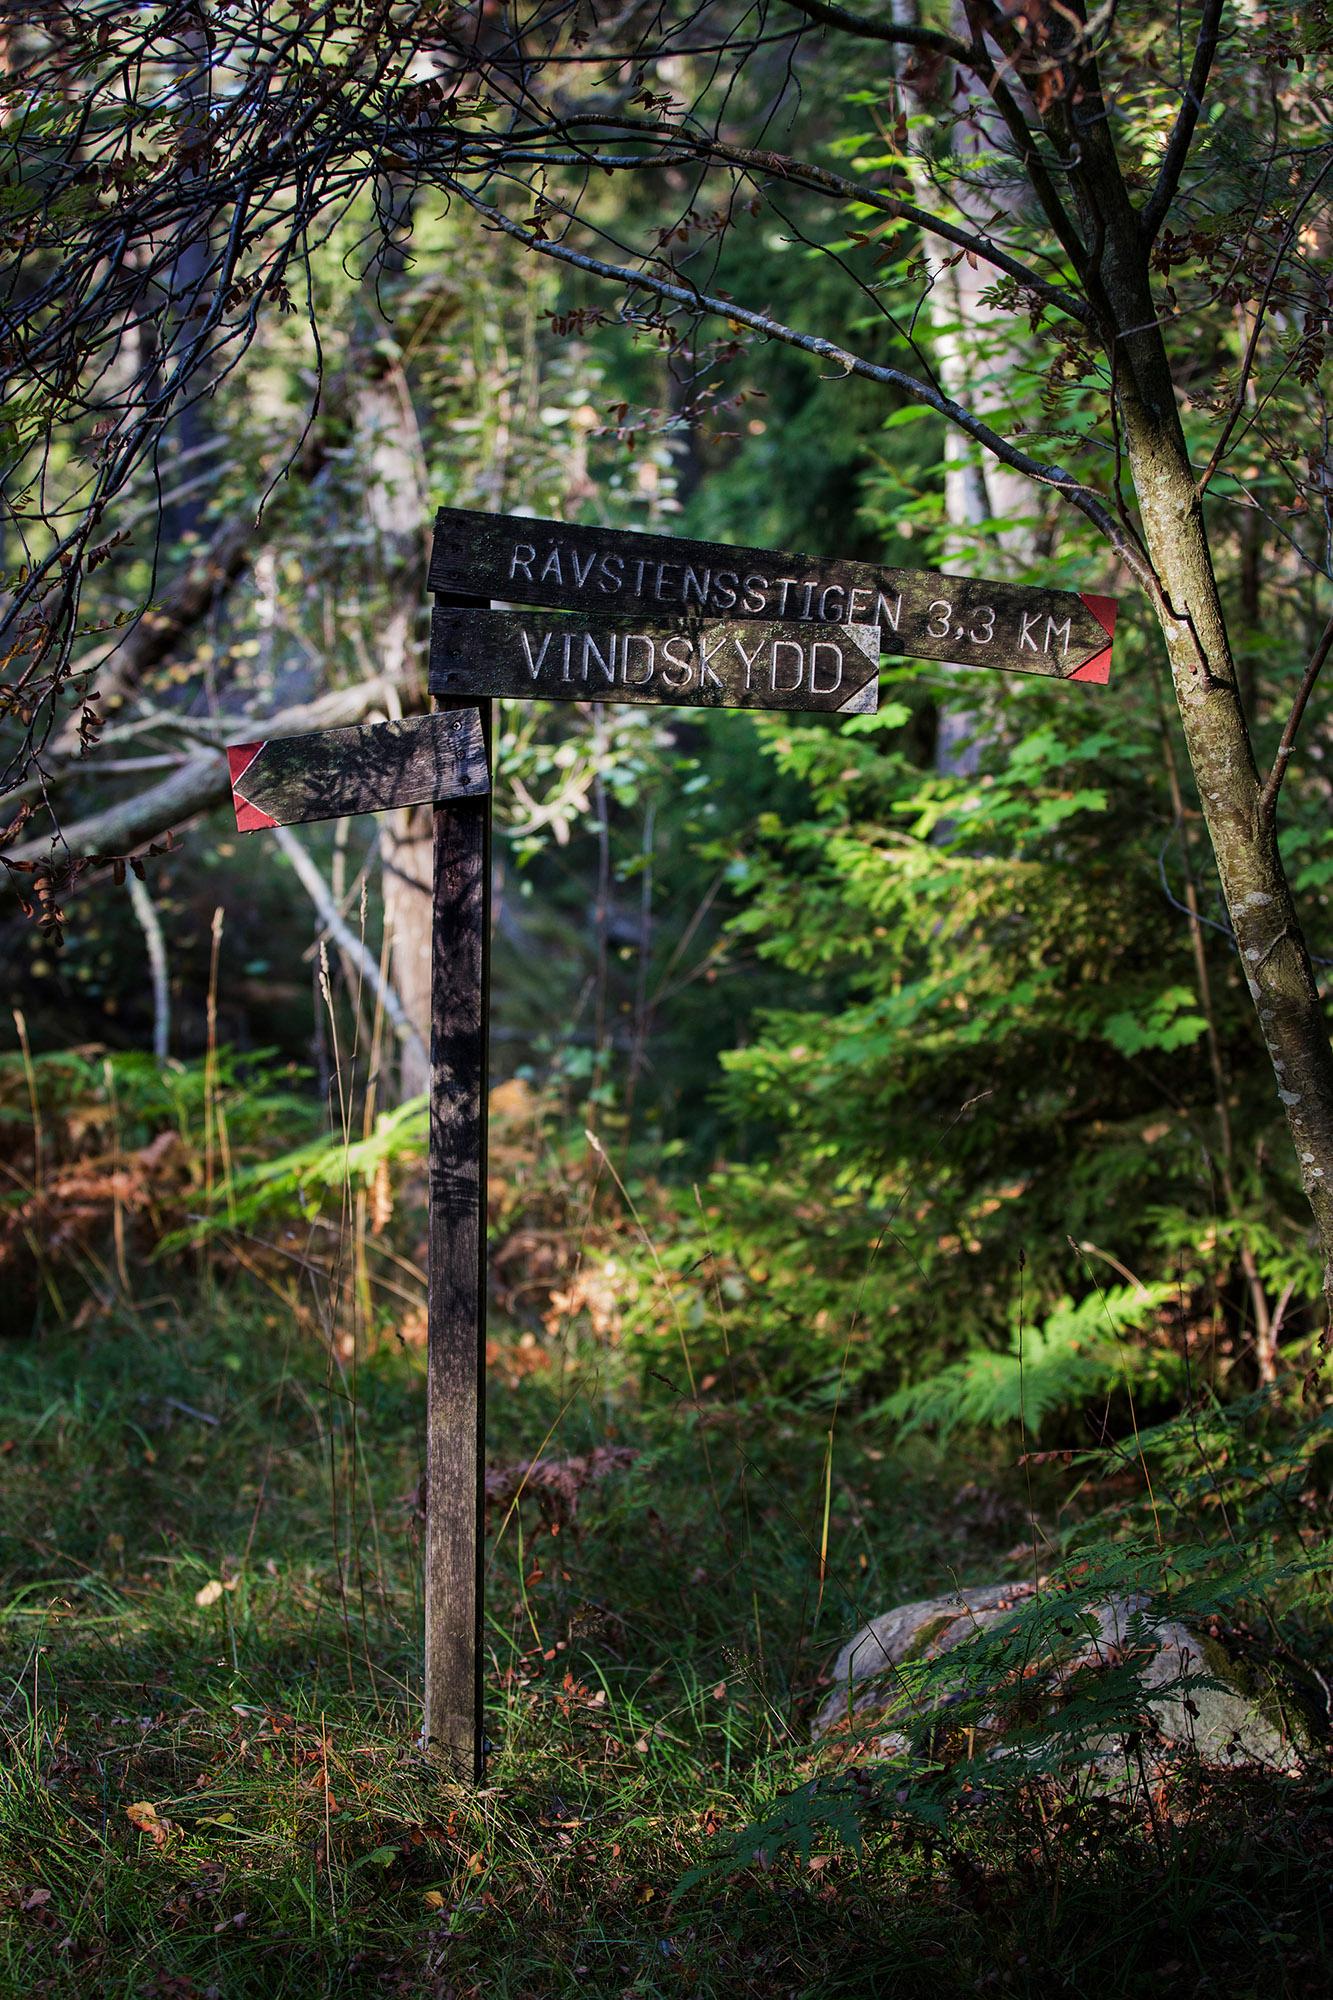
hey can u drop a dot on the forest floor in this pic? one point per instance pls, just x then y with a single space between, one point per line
209 1784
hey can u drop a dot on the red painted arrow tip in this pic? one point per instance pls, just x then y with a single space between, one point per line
1098 668
1103 610
249 818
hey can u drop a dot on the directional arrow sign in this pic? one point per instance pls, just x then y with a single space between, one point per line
684 662
920 612
368 768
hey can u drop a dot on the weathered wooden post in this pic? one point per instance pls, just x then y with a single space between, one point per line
442 759
460 987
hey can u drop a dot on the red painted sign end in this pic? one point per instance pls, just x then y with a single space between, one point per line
249 818
1098 668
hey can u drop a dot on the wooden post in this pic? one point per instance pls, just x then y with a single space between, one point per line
457 1281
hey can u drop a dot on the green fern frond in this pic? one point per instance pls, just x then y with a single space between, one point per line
1076 1353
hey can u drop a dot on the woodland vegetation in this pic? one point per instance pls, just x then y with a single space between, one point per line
912 1135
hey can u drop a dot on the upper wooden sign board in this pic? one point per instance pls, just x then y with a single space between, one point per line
683 662
921 613
368 768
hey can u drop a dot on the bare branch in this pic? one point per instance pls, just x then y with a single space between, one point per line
1182 132
1260 315
1077 492
821 180
158 630
346 939
196 786
905 36
1273 782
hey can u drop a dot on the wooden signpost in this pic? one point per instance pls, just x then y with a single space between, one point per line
432 758
658 620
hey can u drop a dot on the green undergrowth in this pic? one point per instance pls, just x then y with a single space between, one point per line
210 1785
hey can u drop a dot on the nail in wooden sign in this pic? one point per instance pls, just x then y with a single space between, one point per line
368 768
921 613
684 662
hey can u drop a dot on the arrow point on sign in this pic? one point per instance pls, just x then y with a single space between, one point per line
867 637
1098 668
1103 609
249 818
240 756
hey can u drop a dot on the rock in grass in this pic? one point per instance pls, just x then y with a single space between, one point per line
1029 1668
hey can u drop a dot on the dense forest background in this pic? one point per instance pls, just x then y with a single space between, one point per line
889 1188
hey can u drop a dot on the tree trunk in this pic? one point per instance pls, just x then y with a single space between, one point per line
1269 938
406 848
1272 947
975 349
397 504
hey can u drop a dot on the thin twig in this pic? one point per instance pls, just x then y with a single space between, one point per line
345 938
1273 782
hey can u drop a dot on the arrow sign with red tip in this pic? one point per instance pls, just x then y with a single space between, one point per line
681 662
921 613
283 780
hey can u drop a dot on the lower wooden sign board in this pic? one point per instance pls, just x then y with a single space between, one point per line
368 768
921 613
682 662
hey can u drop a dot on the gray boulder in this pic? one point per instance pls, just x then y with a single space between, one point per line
1190 1694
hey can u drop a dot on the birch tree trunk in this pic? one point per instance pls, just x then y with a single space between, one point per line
974 347
397 503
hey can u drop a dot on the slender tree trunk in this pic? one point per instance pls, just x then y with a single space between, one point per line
406 850
975 348
1269 937
396 502
1273 951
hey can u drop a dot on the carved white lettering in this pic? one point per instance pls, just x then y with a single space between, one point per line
784 583
807 592
855 608
581 575
832 617
564 665
591 650
886 613
551 567
785 646
611 573
1060 632
707 672
750 660
940 614
825 646
1025 637
659 592
639 568
534 666
756 594
522 558
983 631
683 667
698 581
637 639
725 585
